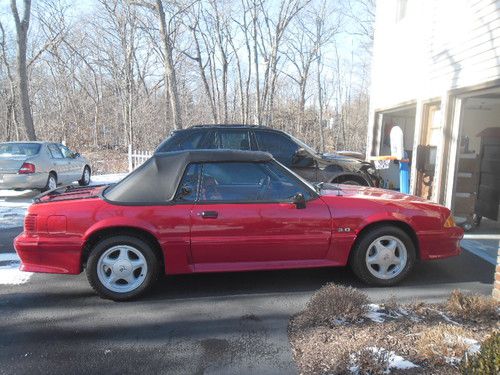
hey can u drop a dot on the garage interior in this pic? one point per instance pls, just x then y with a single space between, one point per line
476 194
476 199
405 119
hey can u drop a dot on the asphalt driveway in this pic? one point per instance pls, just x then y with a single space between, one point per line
194 324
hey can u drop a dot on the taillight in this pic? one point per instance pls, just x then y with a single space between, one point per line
450 222
27 168
30 223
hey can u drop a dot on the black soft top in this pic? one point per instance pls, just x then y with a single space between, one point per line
157 179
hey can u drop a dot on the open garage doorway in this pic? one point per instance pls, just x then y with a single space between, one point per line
476 193
404 117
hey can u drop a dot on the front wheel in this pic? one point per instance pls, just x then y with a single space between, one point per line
122 267
383 256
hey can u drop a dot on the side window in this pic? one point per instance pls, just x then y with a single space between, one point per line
188 188
248 182
234 139
282 186
65 151
280 146
232 182
55 152
183 141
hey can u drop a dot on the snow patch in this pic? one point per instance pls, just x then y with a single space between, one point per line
473 347
12 213
107 178
374 313
394 361
9 270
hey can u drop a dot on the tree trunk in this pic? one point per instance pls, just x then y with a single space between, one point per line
170 75
22 26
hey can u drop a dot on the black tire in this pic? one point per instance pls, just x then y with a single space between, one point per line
52 177
358 262
152 261
84 181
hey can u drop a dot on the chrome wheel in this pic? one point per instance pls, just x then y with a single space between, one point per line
386 257
52 183
122 268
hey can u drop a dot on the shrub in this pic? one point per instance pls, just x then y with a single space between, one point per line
371 361
472 306
333 304
487 361
442 343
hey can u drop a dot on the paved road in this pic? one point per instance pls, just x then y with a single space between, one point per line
193 324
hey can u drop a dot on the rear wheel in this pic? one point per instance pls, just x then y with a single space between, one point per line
85 180
383 256
122 267
51 182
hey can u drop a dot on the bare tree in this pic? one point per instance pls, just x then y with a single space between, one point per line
22 26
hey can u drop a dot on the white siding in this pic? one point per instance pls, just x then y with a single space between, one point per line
439 45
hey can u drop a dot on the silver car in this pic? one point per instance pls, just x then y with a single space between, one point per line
40 165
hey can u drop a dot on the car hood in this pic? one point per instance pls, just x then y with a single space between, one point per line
347 162
364 192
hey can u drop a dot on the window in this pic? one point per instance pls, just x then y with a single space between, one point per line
55 152
248 182
228 139
67 153
182 141
11 149
279 145
188 188
234 139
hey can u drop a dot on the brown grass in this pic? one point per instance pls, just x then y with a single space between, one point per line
372 362
333 304
322 344
435 343
472 306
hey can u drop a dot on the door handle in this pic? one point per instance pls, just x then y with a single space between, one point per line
209 214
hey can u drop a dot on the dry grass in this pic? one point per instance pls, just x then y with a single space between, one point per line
369 361
438 343
334 304
332 334
472 306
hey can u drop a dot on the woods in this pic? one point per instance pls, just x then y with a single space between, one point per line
114 72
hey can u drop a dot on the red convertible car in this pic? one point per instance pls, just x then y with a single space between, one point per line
212 211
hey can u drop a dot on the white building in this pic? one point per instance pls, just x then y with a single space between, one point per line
436 73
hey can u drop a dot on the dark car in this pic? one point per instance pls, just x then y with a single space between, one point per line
288 150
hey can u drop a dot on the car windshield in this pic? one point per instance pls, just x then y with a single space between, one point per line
305 182
19 149
304 146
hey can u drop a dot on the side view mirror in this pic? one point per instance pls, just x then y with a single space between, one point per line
299 201
75 155
301 152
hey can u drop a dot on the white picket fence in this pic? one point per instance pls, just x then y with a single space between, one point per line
137 157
